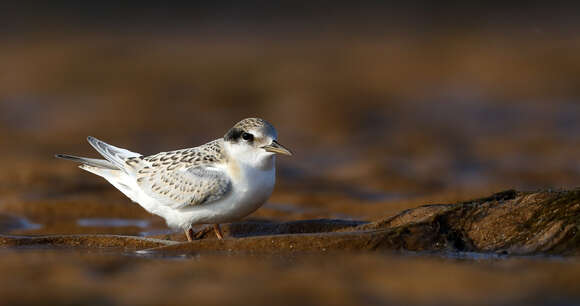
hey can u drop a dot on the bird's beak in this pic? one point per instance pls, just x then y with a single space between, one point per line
276 148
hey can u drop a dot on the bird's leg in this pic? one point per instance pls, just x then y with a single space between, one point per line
189 234
218 231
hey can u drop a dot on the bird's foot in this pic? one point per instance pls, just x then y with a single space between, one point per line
197 235
189 234
218 231
192 235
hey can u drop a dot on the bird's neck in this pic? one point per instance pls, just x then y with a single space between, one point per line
263 163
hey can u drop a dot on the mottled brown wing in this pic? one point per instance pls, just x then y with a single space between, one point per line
183 187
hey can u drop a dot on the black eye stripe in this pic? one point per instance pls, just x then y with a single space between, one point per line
247 136
235 134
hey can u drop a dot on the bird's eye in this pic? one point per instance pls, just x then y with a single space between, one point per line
247 136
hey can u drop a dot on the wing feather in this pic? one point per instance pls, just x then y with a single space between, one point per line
183 178
184 187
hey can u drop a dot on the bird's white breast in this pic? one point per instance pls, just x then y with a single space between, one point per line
251 187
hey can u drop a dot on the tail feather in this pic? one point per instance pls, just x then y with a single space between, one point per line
116 156
99 163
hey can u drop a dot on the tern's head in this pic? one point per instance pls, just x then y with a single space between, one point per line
254 141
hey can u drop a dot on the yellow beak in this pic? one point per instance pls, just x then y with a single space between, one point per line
276 148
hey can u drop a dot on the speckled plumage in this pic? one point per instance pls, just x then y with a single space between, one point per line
220 181
183 177
250 123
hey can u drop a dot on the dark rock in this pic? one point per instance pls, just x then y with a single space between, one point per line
508 222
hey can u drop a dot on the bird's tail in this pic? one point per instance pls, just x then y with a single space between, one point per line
105 169
93 162
116 156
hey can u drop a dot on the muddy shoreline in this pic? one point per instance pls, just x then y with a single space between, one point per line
521 246
510 222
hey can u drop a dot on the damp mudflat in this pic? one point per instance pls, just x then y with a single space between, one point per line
435 254
100 277
415 180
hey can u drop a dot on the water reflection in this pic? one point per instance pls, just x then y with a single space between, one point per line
111 222
9 223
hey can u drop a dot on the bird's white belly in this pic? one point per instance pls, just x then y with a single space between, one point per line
249 191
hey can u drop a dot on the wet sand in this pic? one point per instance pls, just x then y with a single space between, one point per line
453 254
101 277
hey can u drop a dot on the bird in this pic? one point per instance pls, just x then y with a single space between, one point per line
221 181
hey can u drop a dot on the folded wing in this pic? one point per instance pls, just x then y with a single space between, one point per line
184 187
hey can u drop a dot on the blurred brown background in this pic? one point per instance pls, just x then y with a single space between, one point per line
380 102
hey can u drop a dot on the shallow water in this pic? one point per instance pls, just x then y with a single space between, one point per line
113 223
12 223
